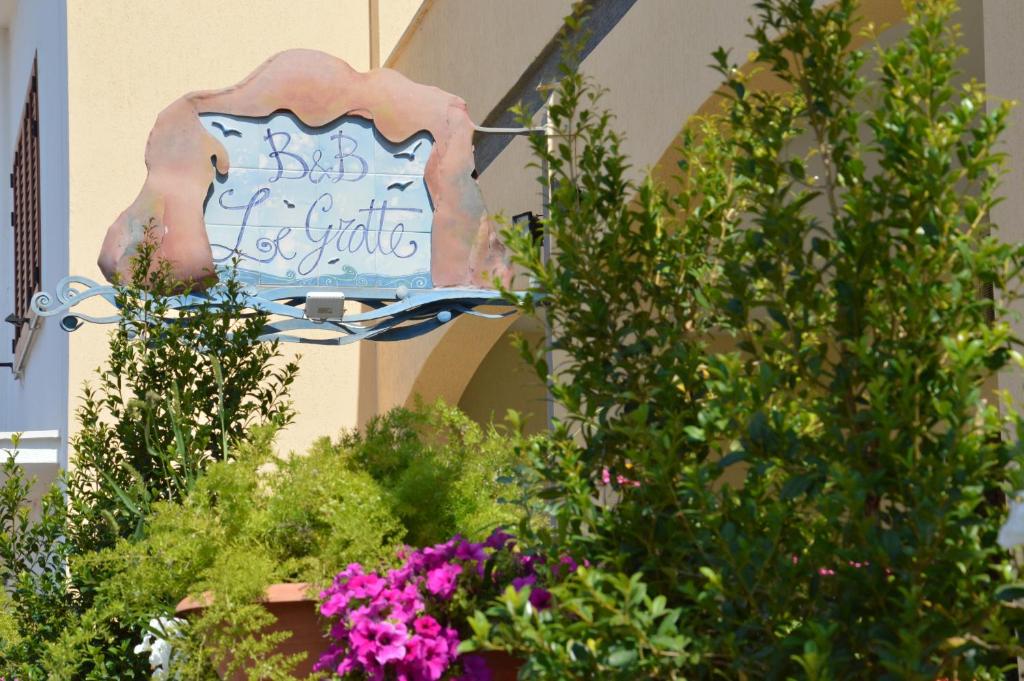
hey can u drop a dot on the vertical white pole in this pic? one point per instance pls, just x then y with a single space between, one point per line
549 132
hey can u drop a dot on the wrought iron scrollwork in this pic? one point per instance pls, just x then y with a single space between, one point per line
408 314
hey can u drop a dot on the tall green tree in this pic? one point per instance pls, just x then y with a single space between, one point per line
170 399
782 453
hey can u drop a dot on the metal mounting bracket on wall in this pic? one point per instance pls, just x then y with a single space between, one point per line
393 315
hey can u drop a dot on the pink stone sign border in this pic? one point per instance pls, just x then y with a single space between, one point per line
317 88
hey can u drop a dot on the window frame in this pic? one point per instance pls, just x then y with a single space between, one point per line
26 221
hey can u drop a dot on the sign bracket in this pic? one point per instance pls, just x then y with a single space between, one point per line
410 314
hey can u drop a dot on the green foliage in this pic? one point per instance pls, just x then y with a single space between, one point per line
248 523
169 399
261 518
434 458
784 366
35 597
168 402
615 629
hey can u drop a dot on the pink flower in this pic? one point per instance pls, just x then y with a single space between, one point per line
621 480
470 551
335 603
430 657
390 640
441 581
365 586
566 561
540 598
519 582
386 627
626 482
433 556
427 626
498 539
363 640
399 576
404 603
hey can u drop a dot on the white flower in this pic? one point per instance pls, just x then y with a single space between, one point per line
159 647
1011 534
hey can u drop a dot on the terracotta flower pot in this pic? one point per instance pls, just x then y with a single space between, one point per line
503 666
295 607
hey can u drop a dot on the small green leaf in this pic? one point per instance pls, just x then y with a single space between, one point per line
622 658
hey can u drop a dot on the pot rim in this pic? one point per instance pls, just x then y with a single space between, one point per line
284 592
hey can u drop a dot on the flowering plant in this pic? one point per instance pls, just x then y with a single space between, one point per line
402 624
158 643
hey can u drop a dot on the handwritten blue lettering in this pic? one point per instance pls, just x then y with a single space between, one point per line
278 153
377 232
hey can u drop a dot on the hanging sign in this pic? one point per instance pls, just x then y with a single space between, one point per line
336 206
310 174
312 184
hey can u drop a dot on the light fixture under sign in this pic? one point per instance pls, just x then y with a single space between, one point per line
328 306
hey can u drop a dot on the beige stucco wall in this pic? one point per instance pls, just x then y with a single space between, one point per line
504 381
477 49
1003 25
393 19
127 60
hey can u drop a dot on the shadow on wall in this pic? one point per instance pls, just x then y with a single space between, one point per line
504 381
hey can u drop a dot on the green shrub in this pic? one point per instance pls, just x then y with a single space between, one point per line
35 597
248 523
791 462
439 468
169 399
166 403
261 518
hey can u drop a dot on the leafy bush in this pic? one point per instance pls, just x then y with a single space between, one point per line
169 399
248 523
434 458
35 596
261 518
791 461
167 402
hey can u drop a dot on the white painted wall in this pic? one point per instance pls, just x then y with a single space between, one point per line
39 400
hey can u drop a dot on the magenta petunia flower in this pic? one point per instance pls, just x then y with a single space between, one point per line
441 652
519 582
335 603
399 576
390 639
388 626
567 562
468 551
427 626
365 586
529 561
540 598
441 581
498 539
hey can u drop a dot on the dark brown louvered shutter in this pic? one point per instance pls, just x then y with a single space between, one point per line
25 218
